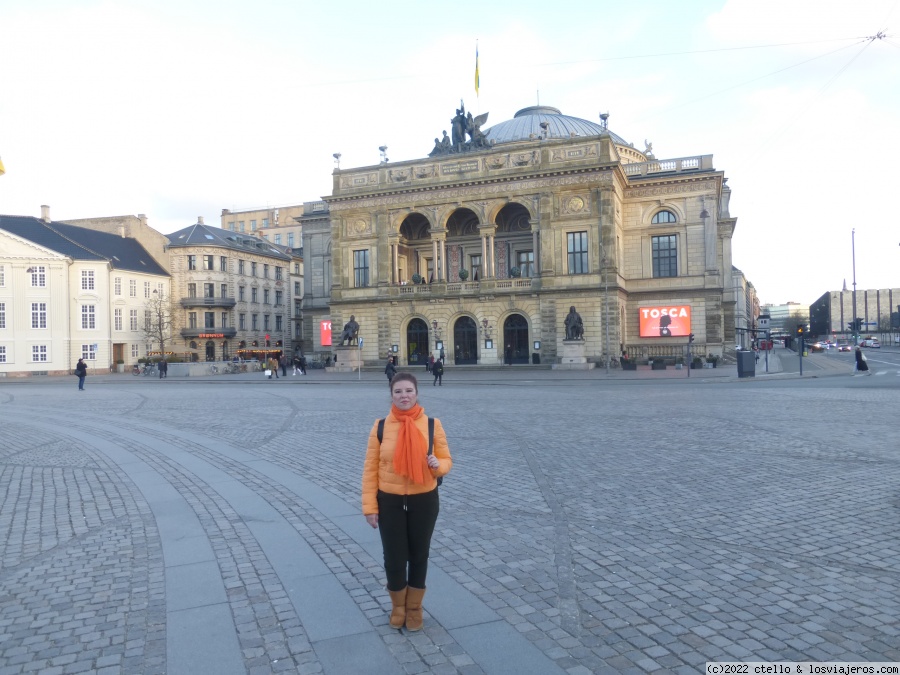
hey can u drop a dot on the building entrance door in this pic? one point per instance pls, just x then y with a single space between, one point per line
515 339
465 341
210 351
417 341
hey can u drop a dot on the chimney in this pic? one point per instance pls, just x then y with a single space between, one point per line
45 213
143 219
122 231
199 220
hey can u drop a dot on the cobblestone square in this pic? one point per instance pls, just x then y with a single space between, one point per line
588 525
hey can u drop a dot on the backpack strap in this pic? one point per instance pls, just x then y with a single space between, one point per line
430 435
381 430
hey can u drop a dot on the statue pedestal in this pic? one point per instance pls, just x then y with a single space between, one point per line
348 359
572 356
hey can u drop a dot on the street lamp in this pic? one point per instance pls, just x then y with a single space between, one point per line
853 249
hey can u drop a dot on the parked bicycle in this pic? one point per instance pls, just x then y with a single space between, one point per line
148 369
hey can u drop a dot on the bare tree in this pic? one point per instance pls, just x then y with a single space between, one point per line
792 321
158 321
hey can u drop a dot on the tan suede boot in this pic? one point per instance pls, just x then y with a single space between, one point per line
414 608
398 608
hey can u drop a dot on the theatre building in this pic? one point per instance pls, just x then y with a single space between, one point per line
483 246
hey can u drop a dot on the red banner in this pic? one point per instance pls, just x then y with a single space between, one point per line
674 321
325 333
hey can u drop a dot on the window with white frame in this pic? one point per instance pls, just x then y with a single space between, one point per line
117 286
133 319
265 222
279 273
665 255
266 296
252 225
242 321
265 322
296 268
2 315
224 319
87 280
117 319
192 290
475 267
147 321
278 239
132 288
254 321
2 354
240 266
577 247
254 295
192 319
2 275
297 288
209 319
291 239
209 290
38 314
223 263
278 322
241 292
39 353
525 263
146 289
192 262
252 269
208 263
134 351
279 297
361 268
88 317
38 276
160 287
89 352
265 271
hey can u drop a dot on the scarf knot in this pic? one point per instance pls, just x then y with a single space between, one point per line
411 452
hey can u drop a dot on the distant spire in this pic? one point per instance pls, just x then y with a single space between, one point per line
845 286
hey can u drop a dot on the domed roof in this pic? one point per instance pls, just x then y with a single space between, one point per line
528 121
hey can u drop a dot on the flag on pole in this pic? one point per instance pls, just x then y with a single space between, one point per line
476 69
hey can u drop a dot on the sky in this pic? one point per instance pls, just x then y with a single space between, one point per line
181 108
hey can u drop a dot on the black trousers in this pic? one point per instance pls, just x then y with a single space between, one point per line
406 523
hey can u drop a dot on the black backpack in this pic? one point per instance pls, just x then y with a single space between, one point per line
440 479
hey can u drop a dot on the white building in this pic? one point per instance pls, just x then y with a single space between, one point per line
68 292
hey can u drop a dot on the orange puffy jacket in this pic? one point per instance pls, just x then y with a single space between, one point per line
378 470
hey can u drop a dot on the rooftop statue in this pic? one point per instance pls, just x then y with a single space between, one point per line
461 125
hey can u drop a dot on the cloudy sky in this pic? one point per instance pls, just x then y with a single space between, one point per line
180 108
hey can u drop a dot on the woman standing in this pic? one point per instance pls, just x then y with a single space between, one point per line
400 496
390 369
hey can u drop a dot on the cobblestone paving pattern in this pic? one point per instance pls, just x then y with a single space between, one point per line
619 528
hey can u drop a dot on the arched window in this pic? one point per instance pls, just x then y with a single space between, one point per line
663 217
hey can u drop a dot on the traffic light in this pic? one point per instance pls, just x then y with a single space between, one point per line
800 330
267 339
690 338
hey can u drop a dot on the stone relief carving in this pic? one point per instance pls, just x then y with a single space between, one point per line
358 226
670 189
424 171
565 154
398 175
574 204
466 193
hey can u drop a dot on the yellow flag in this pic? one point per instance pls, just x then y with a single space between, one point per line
476 69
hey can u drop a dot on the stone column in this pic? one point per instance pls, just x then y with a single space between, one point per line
434 260
535 244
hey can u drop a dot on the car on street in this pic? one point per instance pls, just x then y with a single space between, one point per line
844 347
817 347
871 343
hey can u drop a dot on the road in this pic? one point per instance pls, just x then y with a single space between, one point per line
591 524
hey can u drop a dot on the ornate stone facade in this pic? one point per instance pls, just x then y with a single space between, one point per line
483 253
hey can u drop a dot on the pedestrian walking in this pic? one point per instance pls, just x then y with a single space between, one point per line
438 371
81 372
390 369
509 355
862 365
163 368
283 363
442 355
302 365
429 363
296 363
404 459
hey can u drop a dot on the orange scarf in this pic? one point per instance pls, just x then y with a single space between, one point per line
411 453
